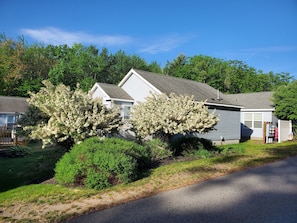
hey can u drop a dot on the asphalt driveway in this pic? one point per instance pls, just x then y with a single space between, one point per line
266 194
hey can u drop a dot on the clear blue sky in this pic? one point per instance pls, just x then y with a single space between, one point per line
261 33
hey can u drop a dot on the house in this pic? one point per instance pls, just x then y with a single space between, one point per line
257 110
241 116
141 84
113 95
11 109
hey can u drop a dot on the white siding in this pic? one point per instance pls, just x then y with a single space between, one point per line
137 88
97 92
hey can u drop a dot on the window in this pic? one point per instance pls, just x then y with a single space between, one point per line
257 120
248 120
253 120
126 112
10 121
2 120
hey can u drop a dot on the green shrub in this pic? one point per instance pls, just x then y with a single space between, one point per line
17 151
100 163
159 149
189 144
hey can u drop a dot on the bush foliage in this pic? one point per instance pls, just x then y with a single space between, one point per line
100 163
159 150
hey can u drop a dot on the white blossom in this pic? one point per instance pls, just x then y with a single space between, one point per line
161 114
72 115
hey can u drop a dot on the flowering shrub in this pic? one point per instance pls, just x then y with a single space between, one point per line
162 116
73 115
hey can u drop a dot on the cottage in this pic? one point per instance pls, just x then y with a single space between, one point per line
141 84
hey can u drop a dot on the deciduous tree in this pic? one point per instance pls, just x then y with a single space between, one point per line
73 115
285 101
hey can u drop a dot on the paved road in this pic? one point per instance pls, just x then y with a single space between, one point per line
266 194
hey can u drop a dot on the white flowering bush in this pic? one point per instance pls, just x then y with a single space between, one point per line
73 115
161 116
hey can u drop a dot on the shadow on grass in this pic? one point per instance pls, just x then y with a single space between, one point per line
29 169
283 152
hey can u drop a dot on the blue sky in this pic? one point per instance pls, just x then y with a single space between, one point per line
261 33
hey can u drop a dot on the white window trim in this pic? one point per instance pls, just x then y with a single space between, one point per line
253 120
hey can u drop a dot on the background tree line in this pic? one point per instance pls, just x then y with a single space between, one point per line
228 76
23 67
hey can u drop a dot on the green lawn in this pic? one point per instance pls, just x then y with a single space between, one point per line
34 168
53 203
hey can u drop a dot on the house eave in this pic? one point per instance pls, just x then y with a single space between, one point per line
257 109
224 105
119 99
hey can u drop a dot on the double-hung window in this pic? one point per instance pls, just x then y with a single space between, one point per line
253 119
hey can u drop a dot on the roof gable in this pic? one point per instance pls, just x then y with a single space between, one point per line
10 104
200 91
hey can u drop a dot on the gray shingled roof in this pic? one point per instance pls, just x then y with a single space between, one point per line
13 104
169 84
257 100
115 91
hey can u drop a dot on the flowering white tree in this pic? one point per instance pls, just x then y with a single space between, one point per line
73 115
162 116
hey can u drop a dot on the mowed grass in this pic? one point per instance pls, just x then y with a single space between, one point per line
43 198
34 168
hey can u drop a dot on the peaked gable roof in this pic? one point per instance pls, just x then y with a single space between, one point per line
169 84
256 100
9 104
114 91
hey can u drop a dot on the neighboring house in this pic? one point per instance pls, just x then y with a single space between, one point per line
258 108
141 84
11 108
113 94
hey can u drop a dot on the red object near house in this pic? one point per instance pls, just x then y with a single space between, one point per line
276 134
